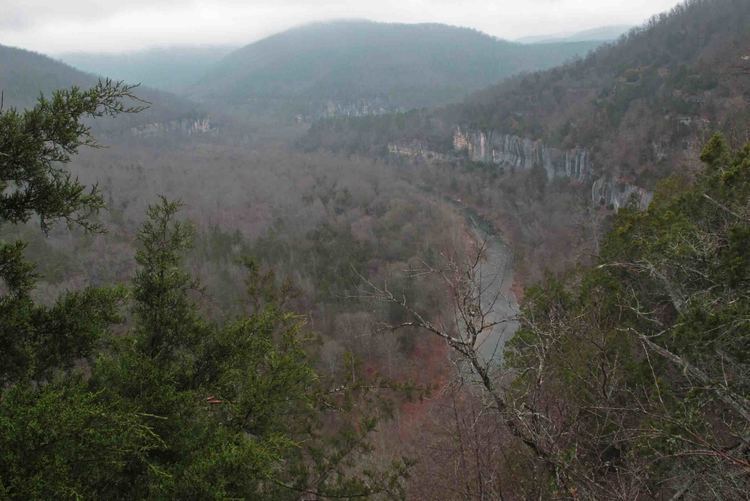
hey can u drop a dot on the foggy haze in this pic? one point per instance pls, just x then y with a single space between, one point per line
104 26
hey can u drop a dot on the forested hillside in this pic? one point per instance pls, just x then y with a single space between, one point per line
641 107
541 153
130 389
258 211
663 88
628 379
638 367
24 75
247 198
360 67
539 292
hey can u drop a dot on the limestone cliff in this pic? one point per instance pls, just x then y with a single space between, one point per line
187 127
523 153
415 150
575 164
360 108
611 193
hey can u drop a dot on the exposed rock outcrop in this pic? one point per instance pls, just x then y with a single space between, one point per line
416 150
361 108
186 126
523 153
614 194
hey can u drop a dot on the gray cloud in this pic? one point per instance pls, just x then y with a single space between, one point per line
55 26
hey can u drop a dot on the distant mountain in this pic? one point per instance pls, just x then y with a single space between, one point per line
172 69
601 34
24 75
630 113
361 67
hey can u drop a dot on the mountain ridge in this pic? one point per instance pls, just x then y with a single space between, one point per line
25 75
385 66
642 107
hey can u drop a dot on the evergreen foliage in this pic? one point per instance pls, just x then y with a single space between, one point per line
168 404
638 367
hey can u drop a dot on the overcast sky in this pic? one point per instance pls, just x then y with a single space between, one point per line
54 26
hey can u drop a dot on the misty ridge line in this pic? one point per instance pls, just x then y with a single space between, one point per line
51 29
414 65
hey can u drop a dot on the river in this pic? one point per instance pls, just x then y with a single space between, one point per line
495 283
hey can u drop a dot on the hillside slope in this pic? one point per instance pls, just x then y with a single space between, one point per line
632 112
360 67
24 75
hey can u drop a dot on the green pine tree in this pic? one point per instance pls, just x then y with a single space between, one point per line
170 404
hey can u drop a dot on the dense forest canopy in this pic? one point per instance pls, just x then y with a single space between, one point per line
637 367
175 405
221 300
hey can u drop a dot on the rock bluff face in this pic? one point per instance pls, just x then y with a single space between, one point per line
617 195
523 153
361 108
186 126
416 151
